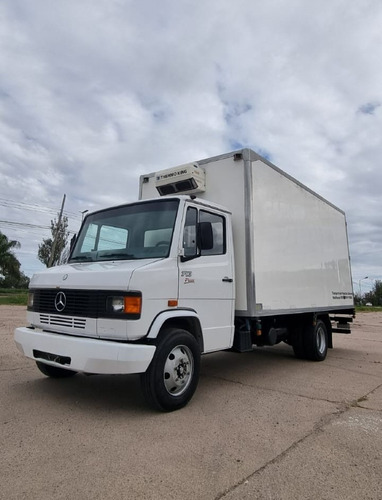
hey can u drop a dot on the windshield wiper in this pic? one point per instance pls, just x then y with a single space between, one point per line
81 258
115 255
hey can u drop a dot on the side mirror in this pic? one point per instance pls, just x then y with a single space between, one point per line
205 236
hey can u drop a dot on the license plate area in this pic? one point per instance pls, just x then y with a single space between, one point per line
48 356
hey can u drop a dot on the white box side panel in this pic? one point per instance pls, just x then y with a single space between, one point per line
291 249
300 246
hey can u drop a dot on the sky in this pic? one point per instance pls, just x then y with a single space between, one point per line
95 93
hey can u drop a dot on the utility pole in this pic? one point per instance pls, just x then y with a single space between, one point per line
58 229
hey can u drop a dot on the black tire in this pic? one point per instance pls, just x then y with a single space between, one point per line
54 371
173 375
316 341
311 341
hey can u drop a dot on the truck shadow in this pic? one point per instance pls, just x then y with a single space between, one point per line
259 360
94 392
97 393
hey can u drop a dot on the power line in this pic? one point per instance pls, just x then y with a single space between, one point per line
19 205
25 225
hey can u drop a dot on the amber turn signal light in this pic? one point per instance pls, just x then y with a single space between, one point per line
133 304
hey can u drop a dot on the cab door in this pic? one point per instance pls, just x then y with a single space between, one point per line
206 274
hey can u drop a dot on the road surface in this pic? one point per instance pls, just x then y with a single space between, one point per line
262 425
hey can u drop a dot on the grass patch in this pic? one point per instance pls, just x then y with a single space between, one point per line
11 296
368 309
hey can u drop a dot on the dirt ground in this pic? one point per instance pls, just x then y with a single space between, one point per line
262 425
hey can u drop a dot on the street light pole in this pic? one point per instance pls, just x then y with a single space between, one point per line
359 284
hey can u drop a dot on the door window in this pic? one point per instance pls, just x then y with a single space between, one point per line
217 223
218 232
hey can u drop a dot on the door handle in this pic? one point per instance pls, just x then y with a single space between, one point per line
227 280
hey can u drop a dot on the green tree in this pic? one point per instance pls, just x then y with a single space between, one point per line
10 274
357 299
15 281
60 236
375 295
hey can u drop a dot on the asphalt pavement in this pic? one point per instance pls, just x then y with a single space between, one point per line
261 425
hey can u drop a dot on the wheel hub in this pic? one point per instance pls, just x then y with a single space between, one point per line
181 369
178 370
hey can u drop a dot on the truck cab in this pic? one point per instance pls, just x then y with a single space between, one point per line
139 276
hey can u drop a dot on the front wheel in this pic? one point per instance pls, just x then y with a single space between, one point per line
172 377
54 371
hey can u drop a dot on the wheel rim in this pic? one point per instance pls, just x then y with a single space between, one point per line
178 370
321 340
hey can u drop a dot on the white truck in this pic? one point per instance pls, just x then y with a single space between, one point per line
233 253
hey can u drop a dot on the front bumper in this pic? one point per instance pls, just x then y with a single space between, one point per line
83 354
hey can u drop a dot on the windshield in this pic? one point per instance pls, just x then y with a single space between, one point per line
137 231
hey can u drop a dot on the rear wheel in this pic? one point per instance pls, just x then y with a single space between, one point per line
316 337
311 341
172 377
54 371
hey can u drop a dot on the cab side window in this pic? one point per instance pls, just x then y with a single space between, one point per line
218 231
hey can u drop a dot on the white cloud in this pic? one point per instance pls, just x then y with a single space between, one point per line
93 94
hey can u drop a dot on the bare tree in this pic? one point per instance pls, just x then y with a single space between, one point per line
56 244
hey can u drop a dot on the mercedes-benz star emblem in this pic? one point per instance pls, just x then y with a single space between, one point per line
60 301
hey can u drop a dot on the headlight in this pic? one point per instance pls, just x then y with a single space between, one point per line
130 305
116 304
30 300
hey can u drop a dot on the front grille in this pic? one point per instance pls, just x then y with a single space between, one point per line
85 303
47 319
58 306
